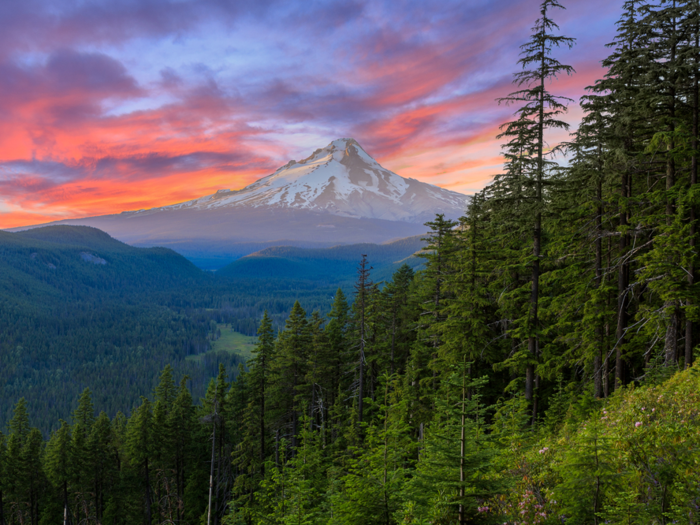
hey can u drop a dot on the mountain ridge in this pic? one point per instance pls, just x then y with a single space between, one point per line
337 264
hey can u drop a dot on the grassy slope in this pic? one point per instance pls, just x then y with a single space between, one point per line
230 342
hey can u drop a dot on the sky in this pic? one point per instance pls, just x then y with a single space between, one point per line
114 105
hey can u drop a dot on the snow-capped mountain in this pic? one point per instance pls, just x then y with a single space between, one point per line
341 179
338 195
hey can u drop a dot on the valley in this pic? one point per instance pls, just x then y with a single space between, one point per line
108 315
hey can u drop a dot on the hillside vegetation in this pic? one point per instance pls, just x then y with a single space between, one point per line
80 309
632 458
76 264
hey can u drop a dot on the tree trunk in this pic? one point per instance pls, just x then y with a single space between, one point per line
462 517
149 514
598 357
693 182
536 241
671 343
393 338
622 284
360 392
211 468
262 416
277 448
178 486
65 502
295 415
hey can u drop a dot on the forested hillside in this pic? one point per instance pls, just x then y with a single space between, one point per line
537 370
79 309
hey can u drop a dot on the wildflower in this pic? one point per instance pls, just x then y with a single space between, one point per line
638 424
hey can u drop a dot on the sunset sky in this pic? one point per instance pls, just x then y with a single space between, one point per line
108 106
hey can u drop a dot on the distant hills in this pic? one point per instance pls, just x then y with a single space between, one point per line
62 264
336 264
81 309
54 268
338 195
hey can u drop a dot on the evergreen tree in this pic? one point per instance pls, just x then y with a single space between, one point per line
59 455
83 419
259 379
621 95
395 303
377 472
431 300
217 410
338 351
588 472
3 477
584 225
539 113
289 368
139 446
363 291
163 461
464 328
102 454
19 481
182 424
452 477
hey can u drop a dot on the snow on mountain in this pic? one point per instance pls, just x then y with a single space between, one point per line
340 179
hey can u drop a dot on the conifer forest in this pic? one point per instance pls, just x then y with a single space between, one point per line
537 368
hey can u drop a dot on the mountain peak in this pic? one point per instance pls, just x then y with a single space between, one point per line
338 149
340 179
342 144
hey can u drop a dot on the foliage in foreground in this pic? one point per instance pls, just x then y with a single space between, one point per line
633 458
